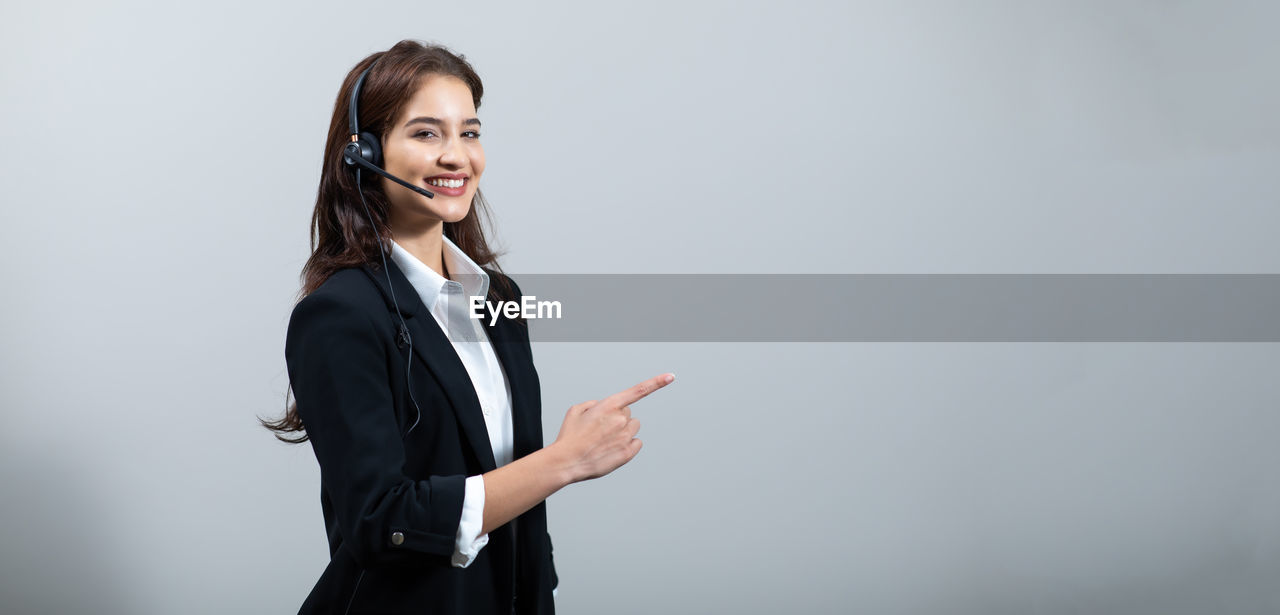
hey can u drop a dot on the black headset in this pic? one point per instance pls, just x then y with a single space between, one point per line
364 152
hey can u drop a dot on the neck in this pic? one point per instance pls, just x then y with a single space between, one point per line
425 243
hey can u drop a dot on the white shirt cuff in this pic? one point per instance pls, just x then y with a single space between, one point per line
469 540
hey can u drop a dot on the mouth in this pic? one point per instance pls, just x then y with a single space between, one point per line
449 185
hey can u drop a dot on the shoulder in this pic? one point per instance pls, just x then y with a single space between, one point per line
504 288
348 294
353 283
507 287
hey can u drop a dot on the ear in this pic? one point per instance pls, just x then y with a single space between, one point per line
371 145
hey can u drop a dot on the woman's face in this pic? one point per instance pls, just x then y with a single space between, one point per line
435 144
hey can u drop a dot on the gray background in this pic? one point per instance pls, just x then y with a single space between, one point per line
160 164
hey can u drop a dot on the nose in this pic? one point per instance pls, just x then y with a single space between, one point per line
454 155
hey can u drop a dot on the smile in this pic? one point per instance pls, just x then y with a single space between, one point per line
447 183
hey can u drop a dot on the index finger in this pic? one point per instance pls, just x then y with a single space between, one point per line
635 393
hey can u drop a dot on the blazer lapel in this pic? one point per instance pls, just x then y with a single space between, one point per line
434 348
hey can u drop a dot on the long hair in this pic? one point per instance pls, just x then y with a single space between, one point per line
341 234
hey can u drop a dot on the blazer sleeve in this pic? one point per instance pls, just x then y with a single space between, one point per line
337 362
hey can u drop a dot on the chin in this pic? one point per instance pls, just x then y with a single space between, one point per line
455 217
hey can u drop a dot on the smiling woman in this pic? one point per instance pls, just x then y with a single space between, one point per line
426 423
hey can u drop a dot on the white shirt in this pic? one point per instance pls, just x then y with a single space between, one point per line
492 388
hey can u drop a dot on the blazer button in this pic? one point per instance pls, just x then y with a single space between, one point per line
397 538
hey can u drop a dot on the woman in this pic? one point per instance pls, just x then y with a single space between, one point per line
426 424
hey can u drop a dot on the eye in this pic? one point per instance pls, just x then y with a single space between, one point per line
423 134
472 134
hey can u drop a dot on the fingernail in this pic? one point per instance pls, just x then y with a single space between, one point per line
669 378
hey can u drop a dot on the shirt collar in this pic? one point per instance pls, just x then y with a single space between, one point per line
431 285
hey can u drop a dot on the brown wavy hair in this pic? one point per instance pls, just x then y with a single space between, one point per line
341 235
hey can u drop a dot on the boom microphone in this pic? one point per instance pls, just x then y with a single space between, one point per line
359 160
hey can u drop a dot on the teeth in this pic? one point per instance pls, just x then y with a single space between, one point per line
447 183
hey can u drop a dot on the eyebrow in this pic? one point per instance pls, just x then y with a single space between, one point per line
432 120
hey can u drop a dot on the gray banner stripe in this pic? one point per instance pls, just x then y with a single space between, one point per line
906 308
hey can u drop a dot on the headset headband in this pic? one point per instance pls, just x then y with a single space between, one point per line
355 96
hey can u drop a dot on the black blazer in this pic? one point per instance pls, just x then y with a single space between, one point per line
392 501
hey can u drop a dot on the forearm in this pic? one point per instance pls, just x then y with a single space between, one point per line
514 488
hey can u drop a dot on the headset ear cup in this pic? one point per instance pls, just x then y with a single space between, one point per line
371 148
